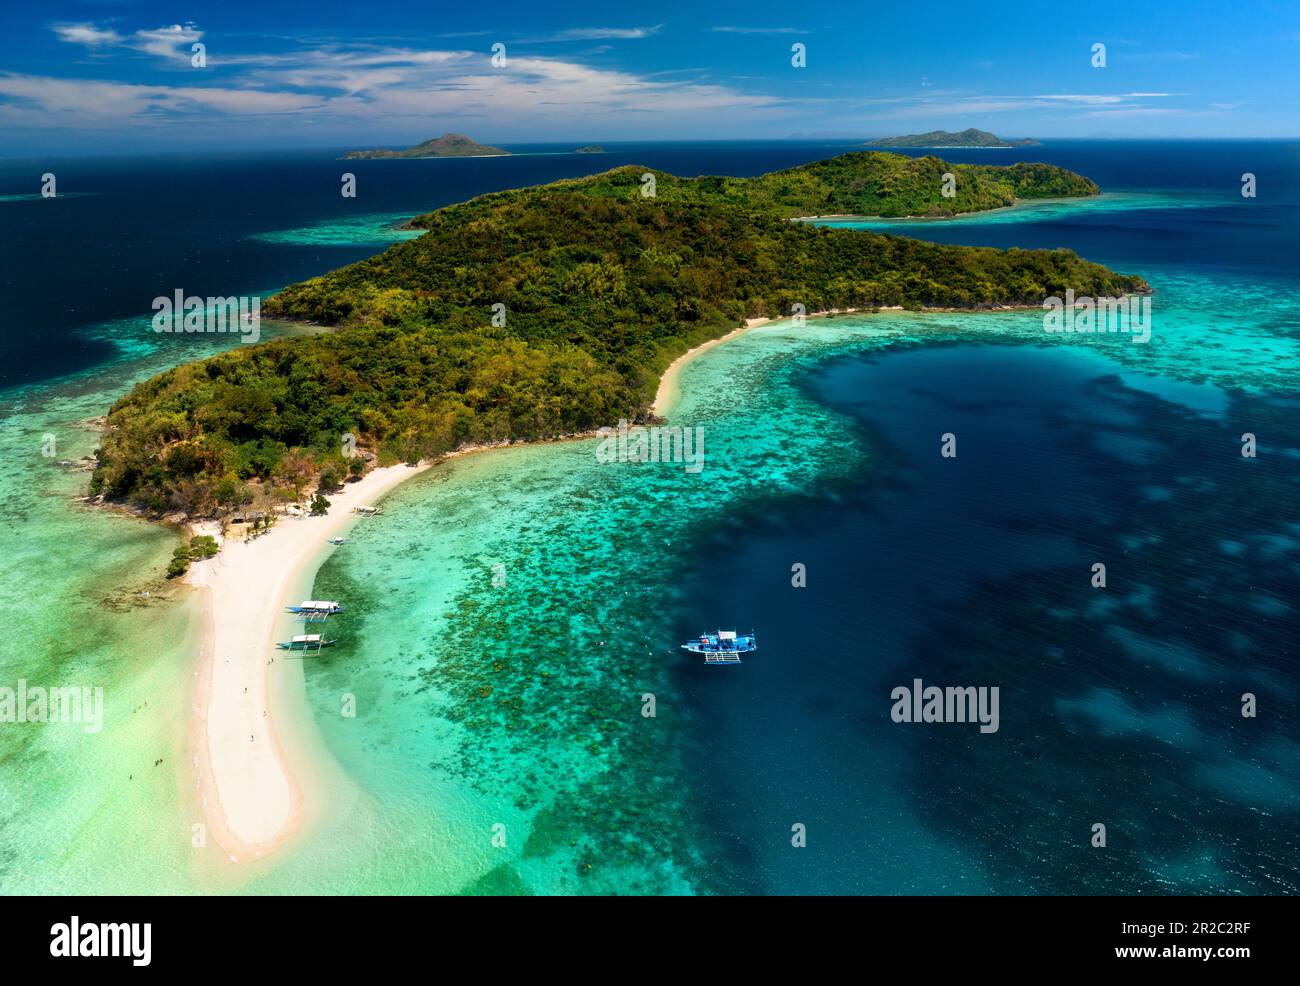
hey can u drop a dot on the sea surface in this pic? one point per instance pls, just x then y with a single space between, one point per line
514 616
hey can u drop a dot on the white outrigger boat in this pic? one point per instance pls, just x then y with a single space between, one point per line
723 647
337 541
366 511
306 641
316 609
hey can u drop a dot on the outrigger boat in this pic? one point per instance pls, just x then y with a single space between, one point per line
338 541
723 647
367 511
307 641
316 609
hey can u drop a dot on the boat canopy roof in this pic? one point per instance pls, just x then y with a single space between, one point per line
319 604
726 634
306 638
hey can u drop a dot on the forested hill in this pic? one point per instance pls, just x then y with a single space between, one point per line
863 183
600 288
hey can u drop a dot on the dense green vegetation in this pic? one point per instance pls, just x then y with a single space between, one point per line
863 183
200 547
601 286
970 137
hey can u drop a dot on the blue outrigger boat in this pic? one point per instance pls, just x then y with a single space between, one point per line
723 647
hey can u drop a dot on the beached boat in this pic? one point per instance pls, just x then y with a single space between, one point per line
723 647
306 641
366 511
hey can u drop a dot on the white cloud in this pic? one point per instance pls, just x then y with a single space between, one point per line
170 42
606 33
87 34
167 42
352 87
759 30
65 101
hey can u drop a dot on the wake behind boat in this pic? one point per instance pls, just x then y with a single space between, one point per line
723 647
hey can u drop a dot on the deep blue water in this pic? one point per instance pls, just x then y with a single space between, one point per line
1118 705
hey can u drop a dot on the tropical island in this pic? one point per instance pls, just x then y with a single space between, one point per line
448 145
590 149
597 284
942 139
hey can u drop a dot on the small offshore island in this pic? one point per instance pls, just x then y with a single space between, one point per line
947 139
448 145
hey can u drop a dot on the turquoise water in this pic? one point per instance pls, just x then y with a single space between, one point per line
1040 210
377 229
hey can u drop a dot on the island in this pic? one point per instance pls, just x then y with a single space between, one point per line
590 149
448 145
942 139
541 312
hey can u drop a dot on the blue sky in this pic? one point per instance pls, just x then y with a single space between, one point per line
108 76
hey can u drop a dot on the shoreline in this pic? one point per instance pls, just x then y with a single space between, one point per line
251 773
251 798
1017 204
668 391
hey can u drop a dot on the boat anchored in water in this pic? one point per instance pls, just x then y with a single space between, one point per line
307 641
723 647
316 609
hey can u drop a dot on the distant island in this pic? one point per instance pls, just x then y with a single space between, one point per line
947 138
448 145
590 149
604 287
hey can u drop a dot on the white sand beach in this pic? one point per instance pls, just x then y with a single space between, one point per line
668 389
667 392
251 797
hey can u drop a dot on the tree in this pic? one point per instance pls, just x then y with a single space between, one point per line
203 546
296 469
180 562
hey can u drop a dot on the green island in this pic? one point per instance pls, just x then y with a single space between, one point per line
969 137
448 145
541 312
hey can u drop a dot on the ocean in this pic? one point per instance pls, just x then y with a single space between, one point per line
514 615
